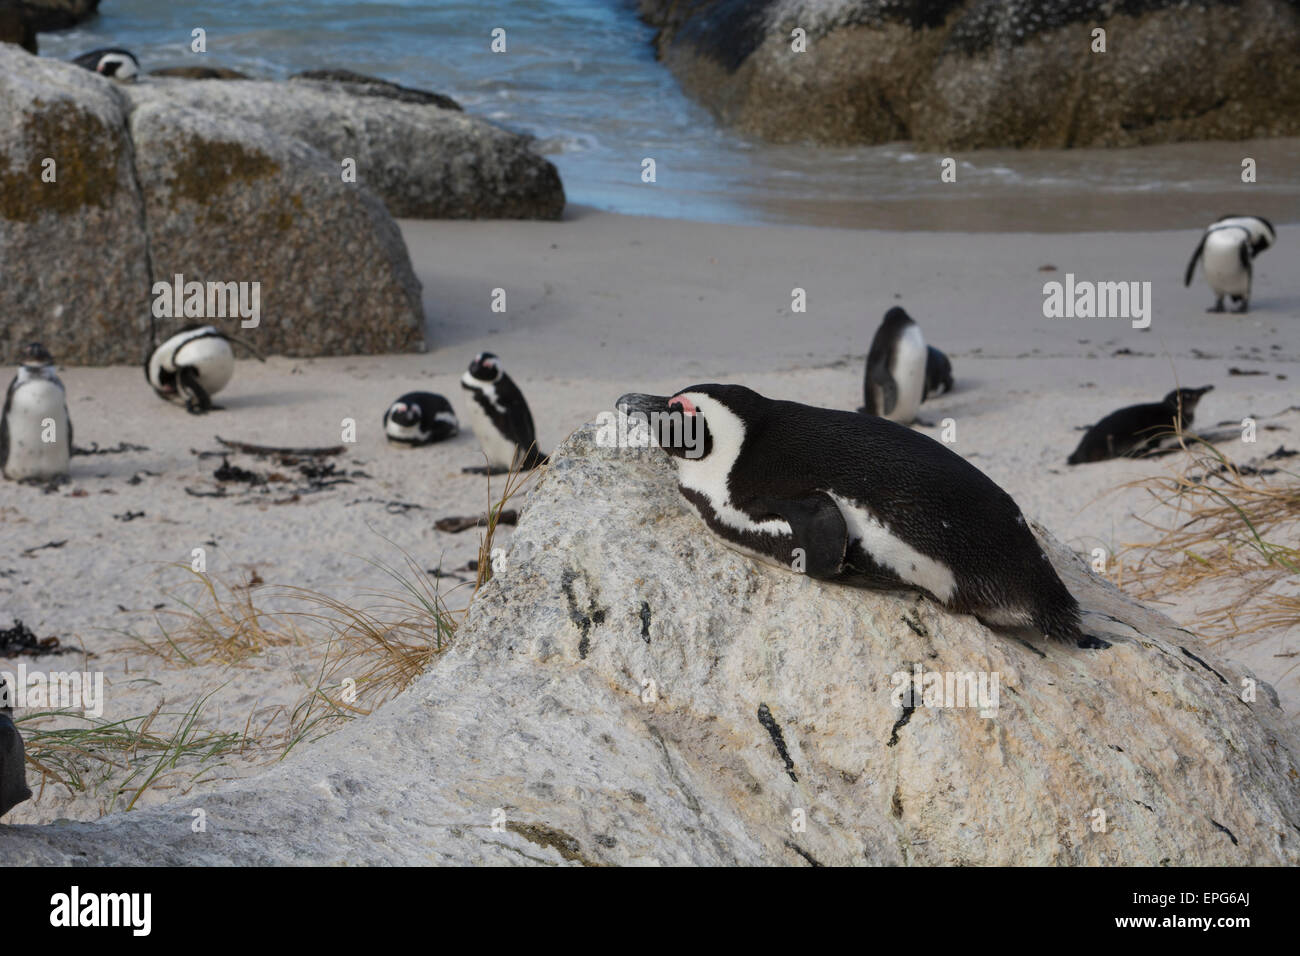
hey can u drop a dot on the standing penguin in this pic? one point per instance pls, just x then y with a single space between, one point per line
1229 246
35 430
192 366
420 418
111 61
500 418
938 373
13 760
854 498
894 384
1138 429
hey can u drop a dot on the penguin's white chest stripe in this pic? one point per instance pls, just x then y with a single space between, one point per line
900 557
708 476
499 449
405 432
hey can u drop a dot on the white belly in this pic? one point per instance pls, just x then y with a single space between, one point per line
404 433
908 371
896 554
1223 268
30 457
212 357
500 451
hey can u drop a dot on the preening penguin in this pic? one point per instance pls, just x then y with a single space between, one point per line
857 499
192 366
1138 429
1229 247
112 62
35 430
500 418
894 384
420 418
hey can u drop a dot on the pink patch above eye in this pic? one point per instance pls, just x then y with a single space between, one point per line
687 406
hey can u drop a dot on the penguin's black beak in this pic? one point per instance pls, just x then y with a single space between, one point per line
645 404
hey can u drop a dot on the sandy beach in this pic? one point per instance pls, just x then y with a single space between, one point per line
600 304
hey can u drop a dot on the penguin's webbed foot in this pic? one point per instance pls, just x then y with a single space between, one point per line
1243 308
1217 307
1090 642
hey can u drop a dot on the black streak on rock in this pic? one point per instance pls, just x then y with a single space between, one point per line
812 860
645 621
1207 667
899 725
1220 826
582 620
774 731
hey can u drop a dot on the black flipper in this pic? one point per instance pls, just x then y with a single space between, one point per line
4 426
1191 266
819 532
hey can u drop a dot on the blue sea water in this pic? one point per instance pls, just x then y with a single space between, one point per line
581 76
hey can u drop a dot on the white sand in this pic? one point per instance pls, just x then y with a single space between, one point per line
598 305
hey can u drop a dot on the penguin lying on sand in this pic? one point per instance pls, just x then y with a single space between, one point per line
193 365
420 418
895 380
1229 247
500 418
1138 429
36 409
938 373
111 61
13 760
857 499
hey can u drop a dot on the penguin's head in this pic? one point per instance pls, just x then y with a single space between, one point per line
119 65
897 317
35 355
698 421
405 414
1187 398
486 367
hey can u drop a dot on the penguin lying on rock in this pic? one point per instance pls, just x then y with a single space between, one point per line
857 499
193 365
35 430
1229 247
1139 429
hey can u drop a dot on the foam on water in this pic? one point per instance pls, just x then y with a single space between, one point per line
581 76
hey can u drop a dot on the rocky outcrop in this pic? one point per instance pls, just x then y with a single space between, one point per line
424 158
200 73
46 15
230 201
627 690
15 28
73 257
234 182
964 74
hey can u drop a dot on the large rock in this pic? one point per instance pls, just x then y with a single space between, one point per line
46 15
73 260
425 160
964 74
770 705
231 201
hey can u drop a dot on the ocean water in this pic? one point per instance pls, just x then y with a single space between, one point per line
580 76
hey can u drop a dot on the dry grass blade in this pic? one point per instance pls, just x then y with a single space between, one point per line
1219 528
515 482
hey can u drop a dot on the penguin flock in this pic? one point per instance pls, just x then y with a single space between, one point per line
862 499
198 362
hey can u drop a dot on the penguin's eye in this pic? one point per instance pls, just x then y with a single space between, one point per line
685 404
